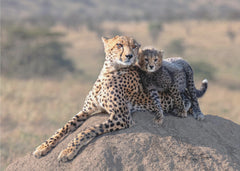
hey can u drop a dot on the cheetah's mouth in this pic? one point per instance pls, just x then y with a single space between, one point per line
125 63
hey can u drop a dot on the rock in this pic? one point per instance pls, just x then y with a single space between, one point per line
179 144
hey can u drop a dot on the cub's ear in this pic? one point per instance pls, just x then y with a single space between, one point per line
105 41
161 53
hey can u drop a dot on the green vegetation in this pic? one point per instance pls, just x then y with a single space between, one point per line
203 70
79 12
33 52
154 30
95 27
176 46
231 35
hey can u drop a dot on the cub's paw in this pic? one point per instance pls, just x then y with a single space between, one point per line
66 155
41 150
199 116
175 112
182 114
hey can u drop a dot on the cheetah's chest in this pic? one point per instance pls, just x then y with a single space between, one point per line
122 84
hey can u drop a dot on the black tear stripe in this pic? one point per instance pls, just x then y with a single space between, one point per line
121 54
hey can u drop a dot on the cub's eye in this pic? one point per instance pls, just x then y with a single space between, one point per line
146 59
119 45
155 60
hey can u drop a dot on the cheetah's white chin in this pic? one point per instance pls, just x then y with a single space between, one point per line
127 63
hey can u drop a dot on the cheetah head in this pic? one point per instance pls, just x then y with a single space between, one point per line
121 50
150 60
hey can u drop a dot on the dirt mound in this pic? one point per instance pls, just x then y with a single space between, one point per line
179 144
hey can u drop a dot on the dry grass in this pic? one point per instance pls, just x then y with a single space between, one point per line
31 110
222 102
204 41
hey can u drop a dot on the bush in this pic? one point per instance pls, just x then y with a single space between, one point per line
176 46
95 27
33 52
154 30
231 34
203 70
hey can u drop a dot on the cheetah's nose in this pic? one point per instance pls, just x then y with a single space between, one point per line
129 56
151 67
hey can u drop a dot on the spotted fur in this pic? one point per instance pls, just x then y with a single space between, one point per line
118 91
171 73
162 80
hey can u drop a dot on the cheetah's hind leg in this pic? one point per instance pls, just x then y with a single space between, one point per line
187 104
180 108
84 137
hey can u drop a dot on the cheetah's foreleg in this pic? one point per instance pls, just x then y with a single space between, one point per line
70 126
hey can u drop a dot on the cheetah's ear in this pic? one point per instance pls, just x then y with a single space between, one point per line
138 45
105 41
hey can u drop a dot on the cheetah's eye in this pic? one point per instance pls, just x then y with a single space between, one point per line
134 46
155 60
119 45
146 59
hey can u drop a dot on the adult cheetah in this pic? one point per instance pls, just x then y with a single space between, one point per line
117 91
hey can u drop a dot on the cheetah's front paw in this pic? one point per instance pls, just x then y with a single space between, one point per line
158 120
41 150
66 155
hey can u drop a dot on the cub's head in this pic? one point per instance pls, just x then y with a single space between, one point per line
121 50
150 60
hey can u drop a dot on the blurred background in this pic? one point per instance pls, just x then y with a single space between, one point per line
51 54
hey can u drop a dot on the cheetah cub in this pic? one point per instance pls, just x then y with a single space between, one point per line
174 75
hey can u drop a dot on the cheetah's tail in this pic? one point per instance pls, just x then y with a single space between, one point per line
203 88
